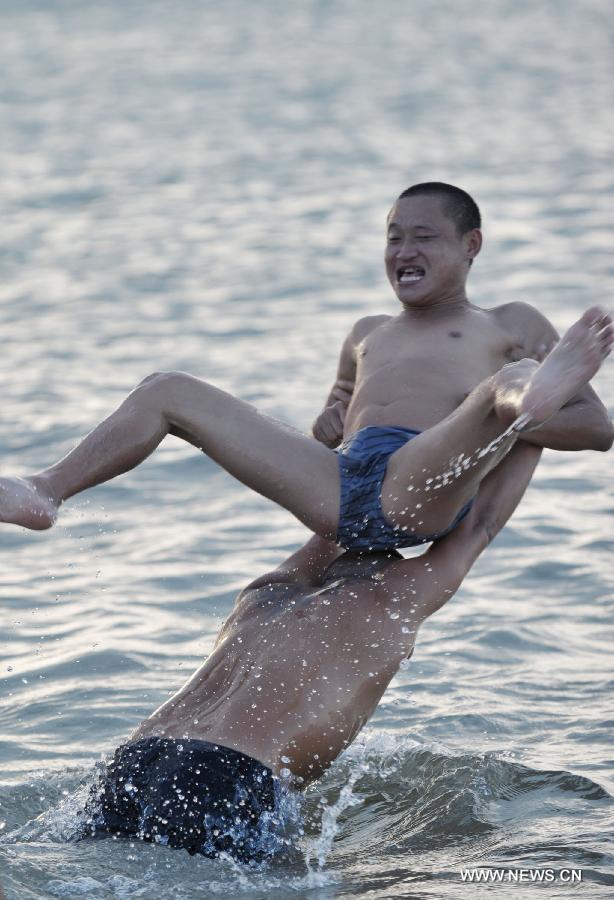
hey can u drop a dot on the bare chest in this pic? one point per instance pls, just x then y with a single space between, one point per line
458 355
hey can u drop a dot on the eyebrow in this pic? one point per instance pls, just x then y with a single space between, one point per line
415 227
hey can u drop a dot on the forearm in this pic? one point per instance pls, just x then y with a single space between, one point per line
503 489
453 555
328 427
499 494
578 426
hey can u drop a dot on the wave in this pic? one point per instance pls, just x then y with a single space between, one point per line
413 797
387 797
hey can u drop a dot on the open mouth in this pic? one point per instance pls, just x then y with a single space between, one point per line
410 274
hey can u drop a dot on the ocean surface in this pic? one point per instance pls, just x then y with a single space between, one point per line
203 186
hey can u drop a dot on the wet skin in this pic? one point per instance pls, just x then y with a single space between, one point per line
302 661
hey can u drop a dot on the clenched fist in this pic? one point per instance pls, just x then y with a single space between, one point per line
328 427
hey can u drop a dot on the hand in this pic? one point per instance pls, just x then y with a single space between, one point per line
328 427
343 391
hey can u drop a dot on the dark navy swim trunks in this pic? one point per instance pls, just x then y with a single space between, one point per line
191 794
362 466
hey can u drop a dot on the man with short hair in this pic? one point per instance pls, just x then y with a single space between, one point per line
297 670
428 402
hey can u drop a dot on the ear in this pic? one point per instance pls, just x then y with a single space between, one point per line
473 243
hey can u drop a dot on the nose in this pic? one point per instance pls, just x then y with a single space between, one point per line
407 249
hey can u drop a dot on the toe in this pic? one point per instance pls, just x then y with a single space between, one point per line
592 316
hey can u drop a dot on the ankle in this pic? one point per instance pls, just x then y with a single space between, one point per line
44 486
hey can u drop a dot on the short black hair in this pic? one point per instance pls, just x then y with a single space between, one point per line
457 204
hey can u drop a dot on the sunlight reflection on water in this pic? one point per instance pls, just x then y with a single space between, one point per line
204 188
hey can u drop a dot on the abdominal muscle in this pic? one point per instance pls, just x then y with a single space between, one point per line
413 400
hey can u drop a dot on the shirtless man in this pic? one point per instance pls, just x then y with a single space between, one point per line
297 670
458 374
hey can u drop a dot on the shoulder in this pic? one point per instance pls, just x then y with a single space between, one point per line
530 330
366 325
524 319
266 589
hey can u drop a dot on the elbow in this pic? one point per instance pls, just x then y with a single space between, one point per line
490 529
485 527
604 438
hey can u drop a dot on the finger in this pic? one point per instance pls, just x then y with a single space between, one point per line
332 429
333 422
344 396
323 435
319 430
338 412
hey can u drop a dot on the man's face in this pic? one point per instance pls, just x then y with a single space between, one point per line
427 261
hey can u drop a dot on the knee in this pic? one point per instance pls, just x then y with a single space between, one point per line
515 372
524 365
158 384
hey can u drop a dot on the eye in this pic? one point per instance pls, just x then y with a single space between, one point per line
425 237
392 238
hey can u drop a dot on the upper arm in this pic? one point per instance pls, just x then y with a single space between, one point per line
425 583
429 581
346 368
538 336
531 329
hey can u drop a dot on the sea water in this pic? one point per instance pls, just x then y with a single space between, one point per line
203 187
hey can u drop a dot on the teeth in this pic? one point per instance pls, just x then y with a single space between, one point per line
410 275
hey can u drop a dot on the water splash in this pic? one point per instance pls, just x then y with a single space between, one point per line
329 827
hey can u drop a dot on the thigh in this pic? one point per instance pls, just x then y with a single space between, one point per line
272 458
430 479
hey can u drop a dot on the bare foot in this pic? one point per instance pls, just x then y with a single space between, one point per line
23 502
570 365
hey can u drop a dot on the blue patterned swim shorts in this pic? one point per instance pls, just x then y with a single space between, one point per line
363 459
